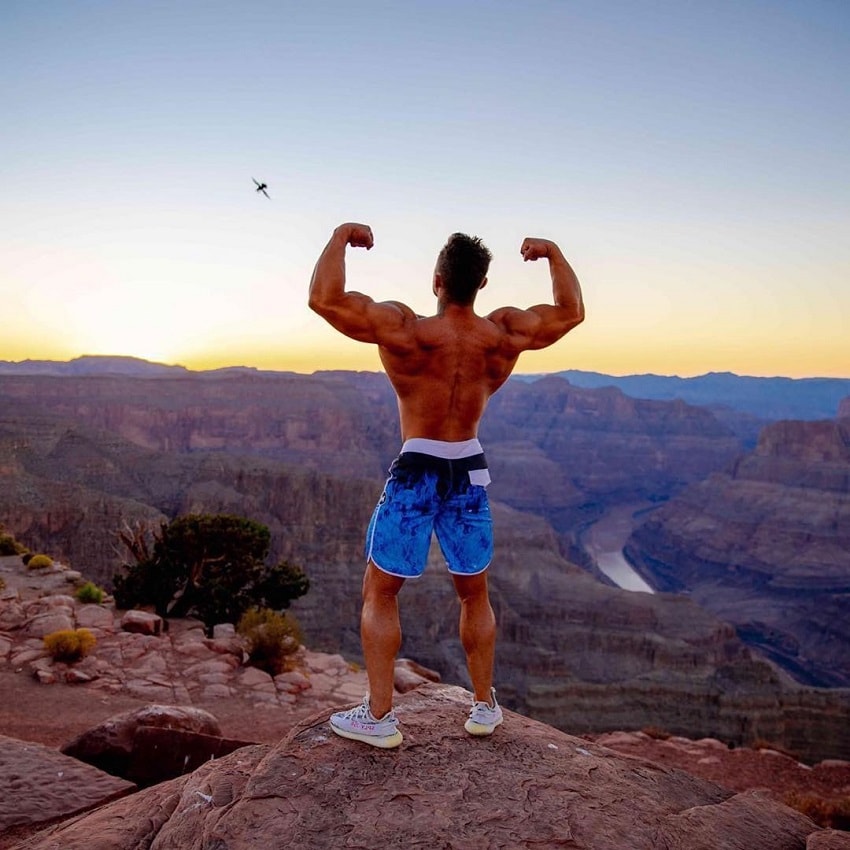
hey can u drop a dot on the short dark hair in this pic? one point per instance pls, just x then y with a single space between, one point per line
462 265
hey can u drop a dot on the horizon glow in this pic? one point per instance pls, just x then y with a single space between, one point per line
690 162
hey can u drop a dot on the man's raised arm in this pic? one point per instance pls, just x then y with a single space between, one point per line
544 324
352 313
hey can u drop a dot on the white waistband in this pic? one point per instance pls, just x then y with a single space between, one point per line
443 448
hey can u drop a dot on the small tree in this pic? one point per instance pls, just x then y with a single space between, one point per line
209 566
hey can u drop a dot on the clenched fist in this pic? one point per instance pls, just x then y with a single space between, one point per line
357 235
534 249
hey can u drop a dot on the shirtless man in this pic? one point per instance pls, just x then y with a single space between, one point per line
444 368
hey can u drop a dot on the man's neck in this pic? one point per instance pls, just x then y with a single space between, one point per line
451 308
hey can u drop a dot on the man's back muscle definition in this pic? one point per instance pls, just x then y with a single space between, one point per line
444 368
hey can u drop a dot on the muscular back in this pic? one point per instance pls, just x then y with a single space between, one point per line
446 371
444 368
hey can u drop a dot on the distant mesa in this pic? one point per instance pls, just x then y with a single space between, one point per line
767 399
92 364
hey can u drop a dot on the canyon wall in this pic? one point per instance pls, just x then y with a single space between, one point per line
306 456
766 546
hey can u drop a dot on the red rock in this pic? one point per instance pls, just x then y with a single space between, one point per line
39 784
829 839
409 675
141 622
45 624
95 617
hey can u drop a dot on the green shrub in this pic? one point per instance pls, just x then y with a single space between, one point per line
90 592
39 561
8 544
69 645
272 639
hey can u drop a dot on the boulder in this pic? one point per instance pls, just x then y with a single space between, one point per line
115 744
409 675
58 620
829 839
159 754
95 617
142 622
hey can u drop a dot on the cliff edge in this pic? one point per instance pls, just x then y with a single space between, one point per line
528 785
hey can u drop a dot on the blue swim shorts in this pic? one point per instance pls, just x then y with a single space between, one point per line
427 494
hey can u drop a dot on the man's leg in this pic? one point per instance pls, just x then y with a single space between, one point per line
477 631
380 634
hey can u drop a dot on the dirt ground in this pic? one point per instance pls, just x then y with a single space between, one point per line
55 714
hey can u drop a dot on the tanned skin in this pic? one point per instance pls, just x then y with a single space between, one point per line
444 368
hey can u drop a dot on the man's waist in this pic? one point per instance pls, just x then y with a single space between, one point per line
444 449
420 460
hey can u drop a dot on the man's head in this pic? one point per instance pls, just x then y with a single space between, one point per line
462 268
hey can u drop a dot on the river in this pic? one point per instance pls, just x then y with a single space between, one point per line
604 542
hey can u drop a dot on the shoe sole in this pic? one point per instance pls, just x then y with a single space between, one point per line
481 729
384 742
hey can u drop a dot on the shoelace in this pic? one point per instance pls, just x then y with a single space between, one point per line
361 712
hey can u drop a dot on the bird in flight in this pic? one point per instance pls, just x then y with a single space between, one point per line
261 187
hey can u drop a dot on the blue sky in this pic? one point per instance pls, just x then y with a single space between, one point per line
689 157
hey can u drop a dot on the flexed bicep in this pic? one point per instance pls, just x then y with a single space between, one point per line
352 313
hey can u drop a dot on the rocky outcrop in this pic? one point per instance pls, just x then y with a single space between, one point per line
764 546
744 768
441 788
180 665
844 408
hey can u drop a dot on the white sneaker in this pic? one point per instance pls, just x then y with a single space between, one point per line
484 717
359 724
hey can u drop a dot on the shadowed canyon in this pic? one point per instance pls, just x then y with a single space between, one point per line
744 528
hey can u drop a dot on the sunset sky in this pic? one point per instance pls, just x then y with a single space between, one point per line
690 158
